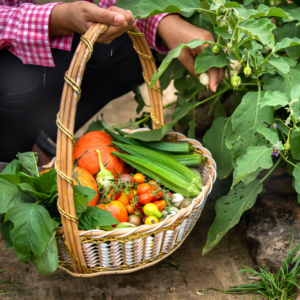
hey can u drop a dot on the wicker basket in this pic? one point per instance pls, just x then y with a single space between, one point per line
96 252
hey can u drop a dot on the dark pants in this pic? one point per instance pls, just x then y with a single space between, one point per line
30 95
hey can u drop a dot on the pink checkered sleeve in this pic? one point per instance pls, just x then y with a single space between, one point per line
24 32
148 26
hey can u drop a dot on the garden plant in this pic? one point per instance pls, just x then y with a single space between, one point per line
262 132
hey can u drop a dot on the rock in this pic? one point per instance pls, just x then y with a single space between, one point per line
269 230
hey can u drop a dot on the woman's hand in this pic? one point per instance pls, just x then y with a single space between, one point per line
79 16
174 31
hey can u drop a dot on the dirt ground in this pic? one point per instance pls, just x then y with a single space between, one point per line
160 282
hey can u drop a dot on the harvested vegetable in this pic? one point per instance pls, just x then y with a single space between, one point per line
151 220
104 176
151 209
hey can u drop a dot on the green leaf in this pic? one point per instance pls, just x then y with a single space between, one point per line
14 167
291 31
271 136
223 32
290 80
10 194
273 98
82 196
245 121
286 43
171 55
256 157
39 196
229 210
174 71
214 141
138 98
279 63
95 217
191 130
261 30
158 134
207 60
274 84
295 144
4 230
296 174
48 262
147 8
295 92
48 182
33 228
29 161
95 125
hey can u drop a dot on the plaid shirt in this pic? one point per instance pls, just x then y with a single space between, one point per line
24 31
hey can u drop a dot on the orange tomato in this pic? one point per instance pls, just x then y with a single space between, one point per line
161 204
143 188
118 210
138 178
129 208
145 198
131 195
123 198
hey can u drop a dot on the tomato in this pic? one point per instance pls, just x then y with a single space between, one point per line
143 188
141 209
158 195
145 198
153 182
151 220
131 195
138 178
129 208
111 197
123 198
161 204
118 210
136 205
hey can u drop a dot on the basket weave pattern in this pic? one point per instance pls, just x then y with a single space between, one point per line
97 252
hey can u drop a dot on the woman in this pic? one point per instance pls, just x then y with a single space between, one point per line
37 43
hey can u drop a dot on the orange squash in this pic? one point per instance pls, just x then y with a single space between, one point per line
84 178
85 155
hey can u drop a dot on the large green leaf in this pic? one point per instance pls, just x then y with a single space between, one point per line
14 167
290 30
261 29
10 194
29 161
207 60
229 210
286 43
158 134
95 217
256 157
295 144
273 98
296 174
245 121
48 262
171 55
214 141
270 135
33 228
82 196
147 8
4 230
289 81
279 63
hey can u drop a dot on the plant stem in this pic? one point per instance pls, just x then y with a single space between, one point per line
137 123
248 83
273 168
237 47
266 70
285 159
212 97
170 104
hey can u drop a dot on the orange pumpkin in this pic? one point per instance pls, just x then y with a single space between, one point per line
85 155
84 178
118 210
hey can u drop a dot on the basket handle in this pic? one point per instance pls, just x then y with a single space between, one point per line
65 121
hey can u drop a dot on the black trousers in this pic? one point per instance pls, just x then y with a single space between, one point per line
30 95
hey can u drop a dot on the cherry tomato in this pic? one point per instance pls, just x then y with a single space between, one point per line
158 195
129 208
143 188
131 195
123 199
136 205
161 204
118 210
139 178
145 198
141 209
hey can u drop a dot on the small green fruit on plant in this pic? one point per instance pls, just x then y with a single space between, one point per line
229 45
247 71
235 80
204 79
215 49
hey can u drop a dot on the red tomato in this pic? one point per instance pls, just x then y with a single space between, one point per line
139 178
145 198
143 188
158 195
118 210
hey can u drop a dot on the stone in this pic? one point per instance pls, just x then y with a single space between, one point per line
269 230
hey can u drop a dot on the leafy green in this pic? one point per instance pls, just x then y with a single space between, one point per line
207 60
255 158
33 228
82 196
273 98
95 217
295 144
95 125
286 43
229 210
296 174
138 98
4 230
291 31
14 167
28 160
279 63
214 140
48 262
